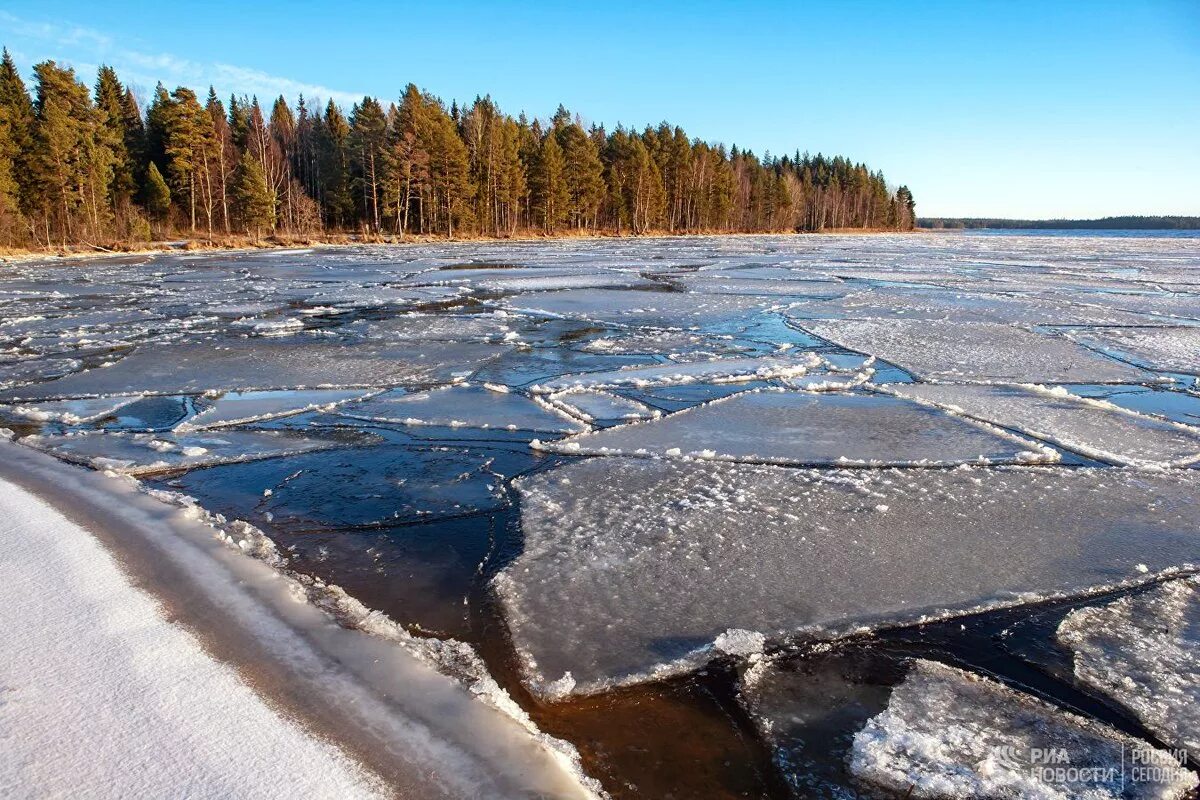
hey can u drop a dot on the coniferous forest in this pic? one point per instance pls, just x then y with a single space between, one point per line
92 166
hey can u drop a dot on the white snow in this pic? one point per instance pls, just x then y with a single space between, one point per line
103 696
1144 652
950 734
71 412
788 427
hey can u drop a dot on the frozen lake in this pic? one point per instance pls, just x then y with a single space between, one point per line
649 481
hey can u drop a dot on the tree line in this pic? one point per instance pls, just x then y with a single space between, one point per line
80 164
1134 223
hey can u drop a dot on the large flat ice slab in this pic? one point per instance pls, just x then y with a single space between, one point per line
1092 428
632 567
246 364
233 408
470 406
950 734
977 352
1144 652
139 453
1172 349
789 427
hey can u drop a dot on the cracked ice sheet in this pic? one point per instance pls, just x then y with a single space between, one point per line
249 364
976 352
140 453
721 370
951 734
1144 652
468 406
786 427
233 408
1092 428
632 567
1174 349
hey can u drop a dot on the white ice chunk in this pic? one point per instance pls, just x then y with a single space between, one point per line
786 427
1092 428
950 734
1144 652
632 567
976 352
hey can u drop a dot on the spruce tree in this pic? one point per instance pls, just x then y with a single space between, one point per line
253 200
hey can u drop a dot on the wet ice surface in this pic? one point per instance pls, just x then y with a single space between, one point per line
1090 427
1143 651
370 407
787 427
949 734
633 567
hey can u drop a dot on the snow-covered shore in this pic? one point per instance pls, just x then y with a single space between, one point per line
139 656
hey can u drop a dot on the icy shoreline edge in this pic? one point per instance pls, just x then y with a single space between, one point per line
386 706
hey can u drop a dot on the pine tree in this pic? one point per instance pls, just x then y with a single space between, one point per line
110 102
253 200
334 148
551 197
583 174
368 140
17 118
156 195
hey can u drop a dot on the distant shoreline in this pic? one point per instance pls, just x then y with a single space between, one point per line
1126 223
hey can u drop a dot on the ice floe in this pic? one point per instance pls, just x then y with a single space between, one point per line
976 352
233 408
789 427
1143 651
721 370
950 734
1093 428
466 405
633 567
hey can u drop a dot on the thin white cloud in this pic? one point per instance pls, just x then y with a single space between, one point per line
85 48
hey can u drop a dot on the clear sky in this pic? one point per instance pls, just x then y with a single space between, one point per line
1017 109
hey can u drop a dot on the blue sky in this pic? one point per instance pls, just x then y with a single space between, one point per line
1015 109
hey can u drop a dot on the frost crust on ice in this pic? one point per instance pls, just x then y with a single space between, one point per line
633 567
950 734
1144 652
